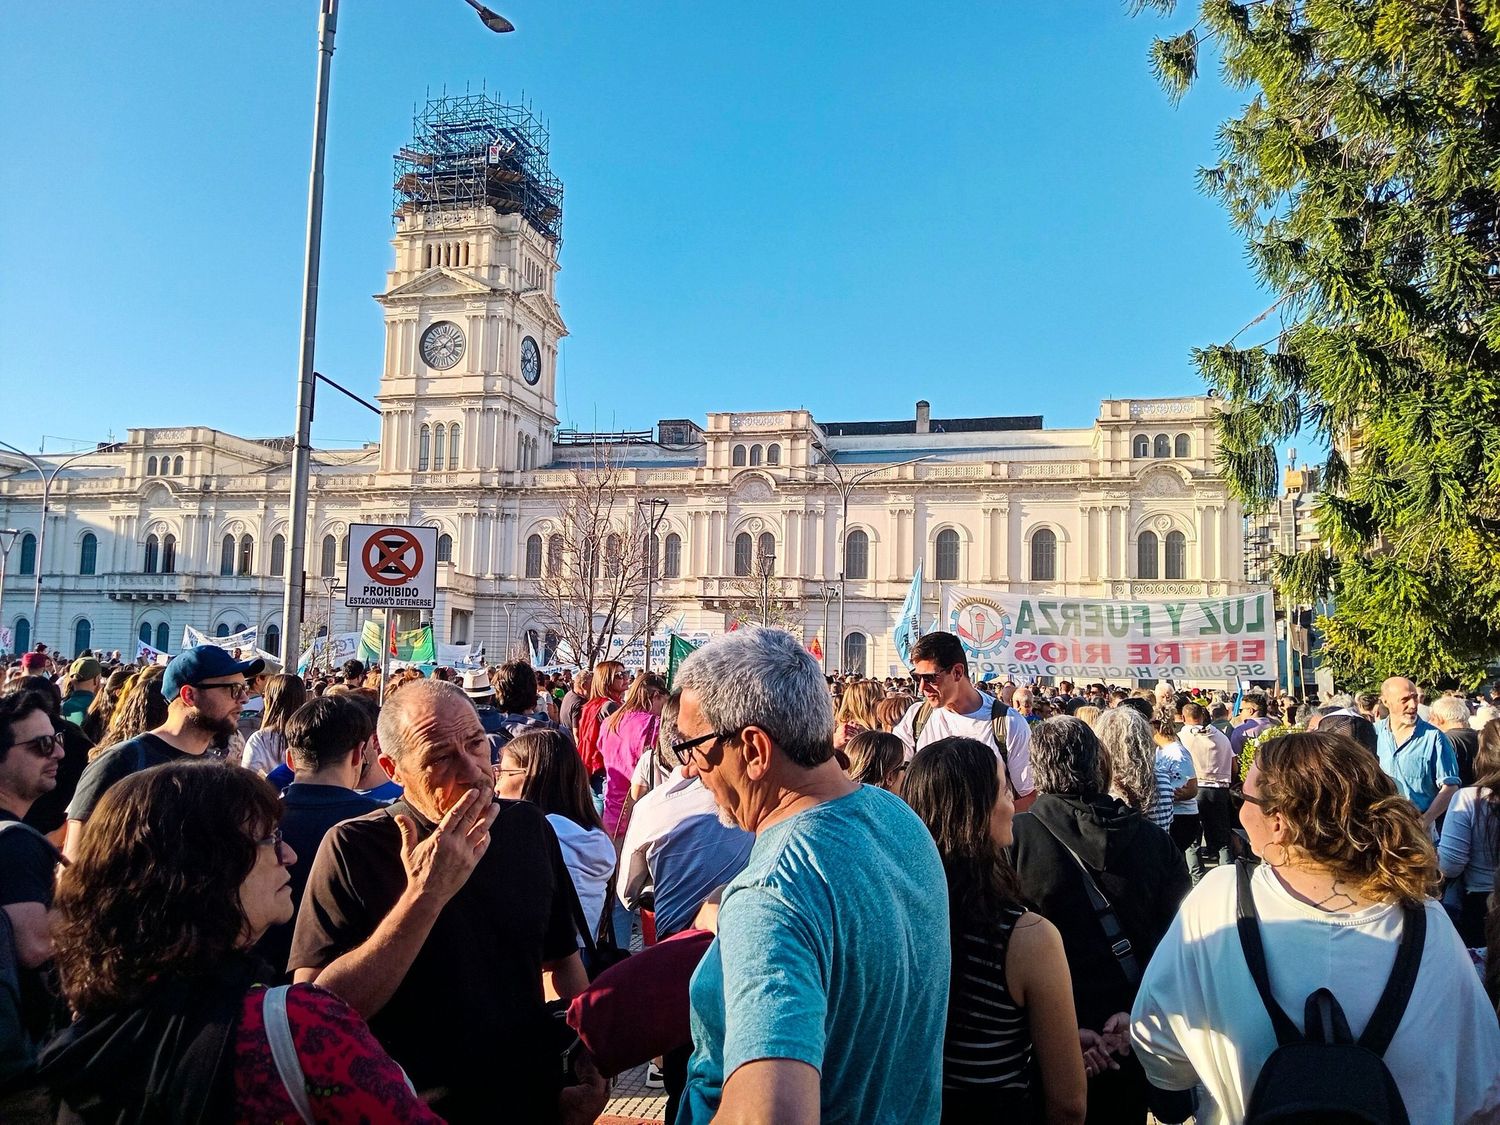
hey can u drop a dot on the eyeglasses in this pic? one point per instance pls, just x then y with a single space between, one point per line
43 746
274 839
684 750
236 691
922 679
1245 797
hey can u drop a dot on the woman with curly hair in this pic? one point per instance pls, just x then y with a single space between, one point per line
142 708
180 872
102 707
1127 742
1347 874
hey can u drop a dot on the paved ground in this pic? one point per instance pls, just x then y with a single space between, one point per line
632 1101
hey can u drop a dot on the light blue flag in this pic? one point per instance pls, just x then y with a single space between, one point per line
909 627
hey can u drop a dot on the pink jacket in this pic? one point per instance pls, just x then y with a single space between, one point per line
621 747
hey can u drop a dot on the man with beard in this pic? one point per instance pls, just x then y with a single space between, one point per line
204 688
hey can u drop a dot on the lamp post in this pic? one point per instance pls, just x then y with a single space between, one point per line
41 537
291 604
510 613
653 511
829 593
767 568
330 587
8 538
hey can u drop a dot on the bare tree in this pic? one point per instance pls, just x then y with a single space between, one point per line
761 598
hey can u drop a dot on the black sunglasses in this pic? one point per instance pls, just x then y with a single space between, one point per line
683 750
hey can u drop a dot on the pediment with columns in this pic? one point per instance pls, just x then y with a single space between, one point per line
440 281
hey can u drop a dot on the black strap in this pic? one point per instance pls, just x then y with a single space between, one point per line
1392 1004
1114 933
581 923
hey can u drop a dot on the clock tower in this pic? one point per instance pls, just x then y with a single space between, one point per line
471 320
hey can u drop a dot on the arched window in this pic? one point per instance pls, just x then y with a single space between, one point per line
329 565
151 466
755 455
453 447
239 627
1162 446
440 448
278 558
672 563
946 556
738 457
221 631
743 547
28 554
1044 556
273 639
1141 447
246 563
344 548
169 554
773 454
534 556
177 466
21 635
612 556
83 636
765 553
88 554
1176 555
153 550
226 555
554 555
445 548
1182 446
424 448
855 650
163 636
857 555
145 633
1145 555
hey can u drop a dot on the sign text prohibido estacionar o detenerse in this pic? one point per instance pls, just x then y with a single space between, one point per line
391 567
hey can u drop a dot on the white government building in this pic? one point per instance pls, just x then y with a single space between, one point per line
188 526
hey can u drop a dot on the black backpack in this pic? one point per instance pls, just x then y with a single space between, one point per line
1324 1074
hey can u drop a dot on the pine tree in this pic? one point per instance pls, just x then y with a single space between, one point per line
1364 175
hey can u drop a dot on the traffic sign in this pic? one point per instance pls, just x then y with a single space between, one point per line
391 567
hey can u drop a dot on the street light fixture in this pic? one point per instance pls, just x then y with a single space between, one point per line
8 538
292 595
829 593
653 511
767 568
330 586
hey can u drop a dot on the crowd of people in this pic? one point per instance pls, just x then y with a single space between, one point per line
233 893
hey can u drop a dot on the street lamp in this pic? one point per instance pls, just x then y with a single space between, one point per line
829 593
653 511
291 605
330 587
8 538
41 538
510 613
767 568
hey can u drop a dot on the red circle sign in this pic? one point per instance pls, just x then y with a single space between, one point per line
392 556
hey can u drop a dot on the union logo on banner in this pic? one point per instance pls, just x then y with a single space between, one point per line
982 625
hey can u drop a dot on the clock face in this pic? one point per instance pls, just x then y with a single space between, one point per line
531 361
442 345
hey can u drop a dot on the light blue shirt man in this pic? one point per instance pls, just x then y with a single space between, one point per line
1421 765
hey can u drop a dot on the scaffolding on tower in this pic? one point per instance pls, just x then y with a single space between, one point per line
469 150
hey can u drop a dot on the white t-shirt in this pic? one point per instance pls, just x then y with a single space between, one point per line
264 751
1198 1016
590 857
943 723
1176 763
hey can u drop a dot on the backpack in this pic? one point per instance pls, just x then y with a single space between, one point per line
1324 1074
997 725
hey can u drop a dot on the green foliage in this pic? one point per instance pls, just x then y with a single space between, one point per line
1364 175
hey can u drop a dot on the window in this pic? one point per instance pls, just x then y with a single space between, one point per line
1183 446
246 563
22 635
445 548
83 635
226 555
855 648
424 448
278 559
239 627
221 631
458 627
344 548
169 554
765 553
177 466
554 555
1044 556
857 555
534 556
145 633
163 636
440 448
739 456
672 564
328 566
1162 446
946 556
28 553
1176 555
151 467
743 546
755 455
273 639
153 551
1145 555
773 455
453 447
612 556
88 555
1141 446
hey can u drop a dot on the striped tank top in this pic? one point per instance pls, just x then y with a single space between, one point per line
987 1048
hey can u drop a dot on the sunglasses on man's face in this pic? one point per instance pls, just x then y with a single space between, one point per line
923 679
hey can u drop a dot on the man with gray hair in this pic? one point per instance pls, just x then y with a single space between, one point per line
1450 714
833 941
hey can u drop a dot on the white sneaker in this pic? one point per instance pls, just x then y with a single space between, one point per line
653 1077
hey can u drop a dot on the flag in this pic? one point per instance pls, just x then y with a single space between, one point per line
533 657
909 626
678 650
815 647
392 631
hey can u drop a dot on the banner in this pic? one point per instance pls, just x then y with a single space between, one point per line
414 646
192 638
5 639
1016 635
909 625
152 655
460 656
345 647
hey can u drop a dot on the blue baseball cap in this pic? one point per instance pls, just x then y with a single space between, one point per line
203 663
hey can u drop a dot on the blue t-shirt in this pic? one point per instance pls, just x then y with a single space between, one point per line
1421 765
833 950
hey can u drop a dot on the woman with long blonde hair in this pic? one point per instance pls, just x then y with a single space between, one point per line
856 711
141 708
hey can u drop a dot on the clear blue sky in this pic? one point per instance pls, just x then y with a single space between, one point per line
845 207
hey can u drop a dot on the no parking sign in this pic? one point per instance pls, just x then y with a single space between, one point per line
391 567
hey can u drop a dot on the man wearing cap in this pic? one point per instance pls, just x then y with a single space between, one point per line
85 674
204 688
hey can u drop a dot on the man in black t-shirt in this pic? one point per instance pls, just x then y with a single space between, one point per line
441 941
204 688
